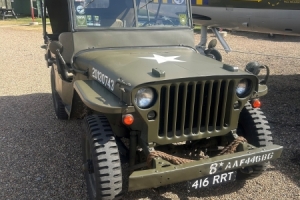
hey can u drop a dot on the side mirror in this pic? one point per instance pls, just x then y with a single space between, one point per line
54 46
253 67
212 44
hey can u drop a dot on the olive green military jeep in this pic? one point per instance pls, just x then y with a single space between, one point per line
149 100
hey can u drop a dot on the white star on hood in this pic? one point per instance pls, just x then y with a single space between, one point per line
162 59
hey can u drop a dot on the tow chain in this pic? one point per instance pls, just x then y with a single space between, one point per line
231 148
172 159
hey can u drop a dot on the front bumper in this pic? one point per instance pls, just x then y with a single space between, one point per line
164 175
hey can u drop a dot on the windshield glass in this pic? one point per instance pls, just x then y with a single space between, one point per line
123 14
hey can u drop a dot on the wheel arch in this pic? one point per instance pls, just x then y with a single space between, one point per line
79 109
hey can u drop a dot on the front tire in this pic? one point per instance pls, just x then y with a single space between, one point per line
59 107
254 127
101 160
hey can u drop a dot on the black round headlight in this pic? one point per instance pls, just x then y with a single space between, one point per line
144 97
243 88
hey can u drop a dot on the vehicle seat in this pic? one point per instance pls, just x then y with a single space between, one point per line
117 23
111 23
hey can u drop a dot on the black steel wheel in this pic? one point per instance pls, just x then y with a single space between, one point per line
214 54
101 160
254 127
59 107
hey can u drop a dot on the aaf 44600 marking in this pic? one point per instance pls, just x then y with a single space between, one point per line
240 162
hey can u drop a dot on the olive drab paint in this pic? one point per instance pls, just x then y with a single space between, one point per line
104 63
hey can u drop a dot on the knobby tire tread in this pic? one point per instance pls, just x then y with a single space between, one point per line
257 131
107 168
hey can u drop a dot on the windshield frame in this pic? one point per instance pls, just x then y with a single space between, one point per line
76 28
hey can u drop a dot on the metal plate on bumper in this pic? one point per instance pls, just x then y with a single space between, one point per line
211 180
160 176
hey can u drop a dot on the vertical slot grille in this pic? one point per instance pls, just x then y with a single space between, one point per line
191 108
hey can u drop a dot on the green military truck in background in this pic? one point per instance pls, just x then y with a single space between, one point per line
148 99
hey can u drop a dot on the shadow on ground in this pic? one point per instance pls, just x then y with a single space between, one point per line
282 108
40 155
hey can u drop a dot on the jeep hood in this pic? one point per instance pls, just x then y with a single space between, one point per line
135 65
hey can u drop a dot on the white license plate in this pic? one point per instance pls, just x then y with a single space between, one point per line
212 180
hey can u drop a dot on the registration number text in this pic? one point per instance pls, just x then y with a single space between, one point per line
212 180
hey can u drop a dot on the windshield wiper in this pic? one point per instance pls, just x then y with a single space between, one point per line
91 1
146 4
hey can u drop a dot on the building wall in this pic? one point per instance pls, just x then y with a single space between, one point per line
22 7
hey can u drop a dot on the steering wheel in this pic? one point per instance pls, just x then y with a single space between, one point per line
163 22
147 22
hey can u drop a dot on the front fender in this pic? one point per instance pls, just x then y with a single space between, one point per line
99 98
262 91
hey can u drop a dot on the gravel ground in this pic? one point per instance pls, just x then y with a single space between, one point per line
40 156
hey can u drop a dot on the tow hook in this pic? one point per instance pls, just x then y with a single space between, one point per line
247 170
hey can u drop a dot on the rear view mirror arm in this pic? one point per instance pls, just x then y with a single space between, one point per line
70 69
